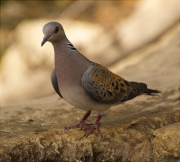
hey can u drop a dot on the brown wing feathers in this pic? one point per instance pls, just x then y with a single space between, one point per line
103 85
107 87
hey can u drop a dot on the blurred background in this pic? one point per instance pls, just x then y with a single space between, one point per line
116 34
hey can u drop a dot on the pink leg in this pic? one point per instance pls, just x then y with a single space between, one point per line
95 126
81 123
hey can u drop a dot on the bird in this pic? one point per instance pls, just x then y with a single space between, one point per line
85 84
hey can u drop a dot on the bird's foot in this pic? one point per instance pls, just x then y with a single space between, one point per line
95 126
80 125
92 128
87 128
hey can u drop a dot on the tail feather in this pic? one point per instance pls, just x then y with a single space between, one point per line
149 91
138 89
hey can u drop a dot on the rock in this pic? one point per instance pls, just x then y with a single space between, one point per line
149 21
145 25
166 143
144 139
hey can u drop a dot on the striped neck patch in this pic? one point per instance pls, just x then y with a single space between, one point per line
71 47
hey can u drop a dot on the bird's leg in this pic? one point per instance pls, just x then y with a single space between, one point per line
81 123
95 126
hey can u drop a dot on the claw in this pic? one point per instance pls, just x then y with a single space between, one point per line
91 126
81 123
95 126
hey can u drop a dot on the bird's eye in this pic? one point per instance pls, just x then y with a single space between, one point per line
56 30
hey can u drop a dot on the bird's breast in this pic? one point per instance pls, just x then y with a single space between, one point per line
69 74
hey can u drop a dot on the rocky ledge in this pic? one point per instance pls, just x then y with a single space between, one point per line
142 139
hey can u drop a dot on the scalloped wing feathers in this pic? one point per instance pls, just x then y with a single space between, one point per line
107 87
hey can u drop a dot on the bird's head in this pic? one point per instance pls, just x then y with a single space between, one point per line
53 32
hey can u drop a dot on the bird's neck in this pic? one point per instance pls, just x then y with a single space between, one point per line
65 52
69 64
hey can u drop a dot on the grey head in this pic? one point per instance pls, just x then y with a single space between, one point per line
53 32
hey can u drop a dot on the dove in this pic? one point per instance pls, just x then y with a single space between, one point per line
85 84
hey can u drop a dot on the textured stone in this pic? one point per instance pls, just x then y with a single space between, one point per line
142 139
166 143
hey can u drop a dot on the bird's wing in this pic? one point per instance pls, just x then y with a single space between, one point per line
105 86
55 83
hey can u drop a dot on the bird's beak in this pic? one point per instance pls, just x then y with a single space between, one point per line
45 39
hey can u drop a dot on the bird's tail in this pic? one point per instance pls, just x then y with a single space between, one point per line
140 88
149 91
